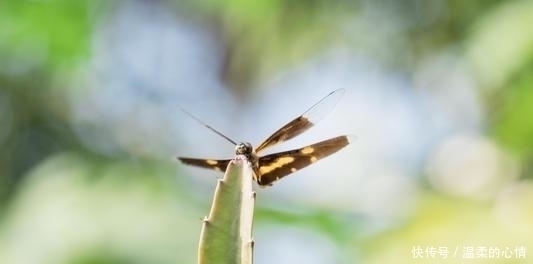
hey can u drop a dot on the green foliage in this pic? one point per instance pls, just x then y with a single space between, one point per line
48 33
499 43
514 127
337 225
89 210
136 206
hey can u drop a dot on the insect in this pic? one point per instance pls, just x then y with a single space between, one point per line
272 167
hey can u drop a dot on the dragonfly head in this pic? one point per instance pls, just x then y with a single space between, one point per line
243 148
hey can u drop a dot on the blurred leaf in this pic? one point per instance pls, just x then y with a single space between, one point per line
243 11
264 36
501 42
87 211
46 32
339 226
515 125
102 258
452 223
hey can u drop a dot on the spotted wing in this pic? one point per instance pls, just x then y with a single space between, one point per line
305 121
218 165
278 165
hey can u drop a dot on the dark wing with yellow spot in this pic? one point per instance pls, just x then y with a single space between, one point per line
305 121
278 165
218 165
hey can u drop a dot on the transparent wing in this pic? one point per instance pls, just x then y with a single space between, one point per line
303 122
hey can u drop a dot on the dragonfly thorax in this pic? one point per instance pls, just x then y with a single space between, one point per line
243 148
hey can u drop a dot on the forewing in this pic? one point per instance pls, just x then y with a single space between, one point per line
278 165
218 165
305 121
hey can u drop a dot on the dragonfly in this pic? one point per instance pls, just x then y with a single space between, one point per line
272 167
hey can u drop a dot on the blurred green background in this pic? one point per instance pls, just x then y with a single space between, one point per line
438 93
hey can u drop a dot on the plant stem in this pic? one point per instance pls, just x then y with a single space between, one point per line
226 235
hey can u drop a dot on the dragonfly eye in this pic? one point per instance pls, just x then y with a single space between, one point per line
243 148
